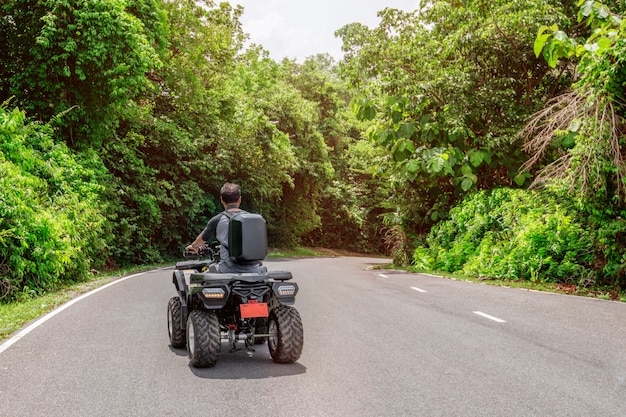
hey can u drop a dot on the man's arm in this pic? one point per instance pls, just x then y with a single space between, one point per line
206 235
193 248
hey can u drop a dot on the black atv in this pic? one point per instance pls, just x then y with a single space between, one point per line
237 307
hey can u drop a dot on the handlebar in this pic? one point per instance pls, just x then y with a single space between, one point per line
205 251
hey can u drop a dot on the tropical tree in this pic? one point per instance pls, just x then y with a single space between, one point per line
447 89
353 200
577 140
89 57
163 152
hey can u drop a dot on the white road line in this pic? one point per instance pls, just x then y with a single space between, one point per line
56 311
487 316
418 289
383 276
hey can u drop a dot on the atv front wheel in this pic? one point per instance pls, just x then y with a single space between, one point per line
287 335
174 326
204 340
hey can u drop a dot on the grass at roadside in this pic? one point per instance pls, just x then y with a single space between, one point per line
292 253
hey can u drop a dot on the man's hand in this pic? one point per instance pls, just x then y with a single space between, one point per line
191 249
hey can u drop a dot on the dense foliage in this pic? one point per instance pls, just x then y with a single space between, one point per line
161 104
51 224
123 118
450 86
511 234
575 143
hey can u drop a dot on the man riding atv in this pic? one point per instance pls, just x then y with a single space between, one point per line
217 228
232 296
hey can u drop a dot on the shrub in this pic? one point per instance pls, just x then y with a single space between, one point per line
510 234
51 226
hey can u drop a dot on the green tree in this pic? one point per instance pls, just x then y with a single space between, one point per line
292 164
447 89
89 56
352 201
577 140
163 153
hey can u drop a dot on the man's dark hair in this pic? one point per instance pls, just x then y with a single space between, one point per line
230 193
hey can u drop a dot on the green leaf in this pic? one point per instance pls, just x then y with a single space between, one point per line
602 12
436 164
561 36
466 184
574 125
551 54
604 43
466 170
587 8
540 42
569 140
476 158
412 166
406 130
381 136
520 179
369 112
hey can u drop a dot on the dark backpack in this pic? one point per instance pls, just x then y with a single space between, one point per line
247 237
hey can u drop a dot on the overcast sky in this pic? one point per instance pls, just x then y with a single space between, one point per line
301 28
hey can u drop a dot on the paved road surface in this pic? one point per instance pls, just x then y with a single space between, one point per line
377 343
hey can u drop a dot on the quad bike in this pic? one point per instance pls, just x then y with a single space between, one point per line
235 307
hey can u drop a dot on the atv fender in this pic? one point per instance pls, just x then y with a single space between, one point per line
178 279
182 289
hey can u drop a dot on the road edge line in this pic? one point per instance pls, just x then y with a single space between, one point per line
12 340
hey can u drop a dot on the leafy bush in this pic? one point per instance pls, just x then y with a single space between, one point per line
510 234
51 225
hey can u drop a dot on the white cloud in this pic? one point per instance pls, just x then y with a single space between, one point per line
300 28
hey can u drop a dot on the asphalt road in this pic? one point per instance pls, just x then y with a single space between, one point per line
377 343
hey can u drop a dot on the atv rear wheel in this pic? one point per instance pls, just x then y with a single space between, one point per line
287 335
204 340
174 326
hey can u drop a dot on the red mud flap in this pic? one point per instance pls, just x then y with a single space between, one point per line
253 309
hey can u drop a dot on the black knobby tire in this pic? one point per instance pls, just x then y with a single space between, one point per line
286 344
175 328
204 340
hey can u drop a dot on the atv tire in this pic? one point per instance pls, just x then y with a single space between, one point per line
174 326
204 340
285 326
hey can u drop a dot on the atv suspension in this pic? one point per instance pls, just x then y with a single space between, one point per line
234 336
